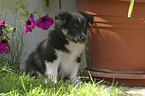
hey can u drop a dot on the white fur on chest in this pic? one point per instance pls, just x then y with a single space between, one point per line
75 48
68 60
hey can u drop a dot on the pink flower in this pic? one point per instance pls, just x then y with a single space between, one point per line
30 24
44 22
2 22
1 26
4 46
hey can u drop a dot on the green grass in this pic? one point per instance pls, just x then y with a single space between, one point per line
14 84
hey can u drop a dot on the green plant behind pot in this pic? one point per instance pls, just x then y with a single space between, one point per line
47 3
130 9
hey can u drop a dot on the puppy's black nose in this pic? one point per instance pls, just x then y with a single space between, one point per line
83 36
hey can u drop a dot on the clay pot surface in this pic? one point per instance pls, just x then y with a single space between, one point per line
116 44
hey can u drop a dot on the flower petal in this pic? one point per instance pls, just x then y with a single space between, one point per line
2 22
30 24
4 46
44 22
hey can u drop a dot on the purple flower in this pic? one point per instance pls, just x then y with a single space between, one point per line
30 24
1 26
4 46
44 22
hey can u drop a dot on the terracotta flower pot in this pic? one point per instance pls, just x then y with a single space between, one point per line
116 44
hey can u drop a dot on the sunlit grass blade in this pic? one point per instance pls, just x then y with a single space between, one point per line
130 9
23 85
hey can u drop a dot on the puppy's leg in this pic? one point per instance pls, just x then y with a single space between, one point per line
73 74
39 74
52 70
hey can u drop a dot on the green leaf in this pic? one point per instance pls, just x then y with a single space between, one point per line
5 37
38 14
23 22
4 34
12 29
20 3
23 9
24 15
130 9
35 11
6 31
14 10
26 11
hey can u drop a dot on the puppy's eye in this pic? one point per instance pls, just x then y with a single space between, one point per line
76 25
75 28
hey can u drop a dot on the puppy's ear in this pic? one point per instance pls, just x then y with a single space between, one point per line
62 19
89 17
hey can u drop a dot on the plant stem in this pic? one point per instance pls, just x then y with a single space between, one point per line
47 3
130 9
60 4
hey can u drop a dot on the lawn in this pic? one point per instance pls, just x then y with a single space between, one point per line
14 84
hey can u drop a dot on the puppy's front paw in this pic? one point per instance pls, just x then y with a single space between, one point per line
76 81
46 81
54 81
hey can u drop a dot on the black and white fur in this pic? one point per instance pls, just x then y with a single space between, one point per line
63 48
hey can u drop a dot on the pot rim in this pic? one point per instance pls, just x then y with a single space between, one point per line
114 75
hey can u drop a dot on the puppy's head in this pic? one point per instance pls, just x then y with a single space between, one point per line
74 25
